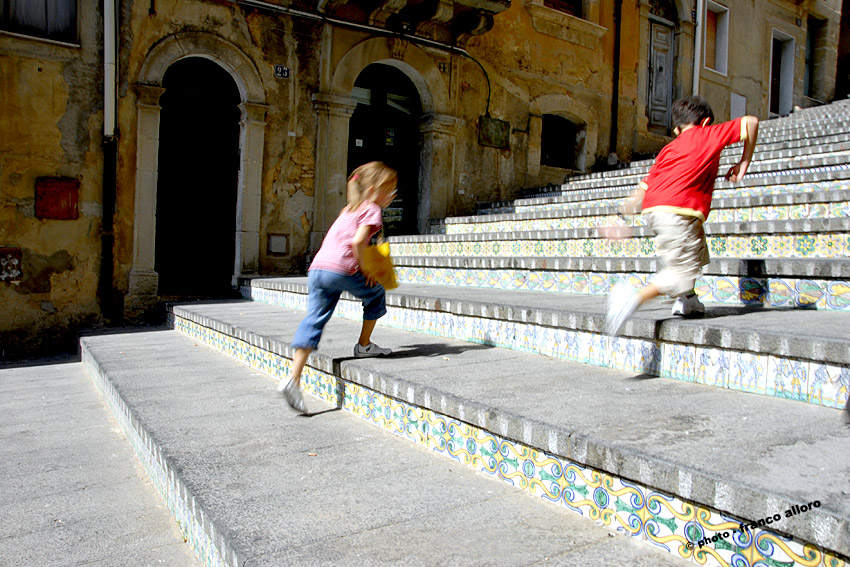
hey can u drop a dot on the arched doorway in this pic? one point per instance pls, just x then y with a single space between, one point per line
197 180
385 127
663 19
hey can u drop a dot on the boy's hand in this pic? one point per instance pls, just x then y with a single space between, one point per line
737 171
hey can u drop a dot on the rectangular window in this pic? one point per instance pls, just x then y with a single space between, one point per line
50 19
558 142
571 7
716 37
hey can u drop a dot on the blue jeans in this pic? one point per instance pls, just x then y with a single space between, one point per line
325 288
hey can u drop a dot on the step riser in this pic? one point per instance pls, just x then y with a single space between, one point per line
759 170
833 295
758 245
592 195
806 380
198 530
805 211
514 452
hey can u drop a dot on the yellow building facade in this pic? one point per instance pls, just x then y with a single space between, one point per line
158 150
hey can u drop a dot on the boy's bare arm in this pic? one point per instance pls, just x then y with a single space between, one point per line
737 171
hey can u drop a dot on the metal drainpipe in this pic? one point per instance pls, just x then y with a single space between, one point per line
110 157
697 46
615 96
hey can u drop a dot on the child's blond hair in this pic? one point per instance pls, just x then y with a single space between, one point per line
367 181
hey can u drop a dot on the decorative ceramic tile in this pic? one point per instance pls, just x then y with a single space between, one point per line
678 361
788 378
749 373
829 385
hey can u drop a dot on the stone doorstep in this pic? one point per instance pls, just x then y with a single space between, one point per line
668 471
772 227
823 336
745 202
813 268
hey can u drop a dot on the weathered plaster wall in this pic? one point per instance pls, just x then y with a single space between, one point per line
50 122
288 160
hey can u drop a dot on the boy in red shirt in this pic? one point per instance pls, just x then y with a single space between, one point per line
675 199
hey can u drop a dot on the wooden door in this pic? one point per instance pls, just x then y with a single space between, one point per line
660 74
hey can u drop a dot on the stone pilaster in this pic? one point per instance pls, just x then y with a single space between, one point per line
143 280
252 133
436 170
334 113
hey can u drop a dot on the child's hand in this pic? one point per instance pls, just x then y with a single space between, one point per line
371 278
737 171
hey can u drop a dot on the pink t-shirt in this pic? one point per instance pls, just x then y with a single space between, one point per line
336 253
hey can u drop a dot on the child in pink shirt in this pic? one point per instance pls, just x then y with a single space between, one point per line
338 266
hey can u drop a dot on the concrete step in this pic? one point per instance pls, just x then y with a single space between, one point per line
772 283
794 204
742 349
73 492
764 168
823 139
638 454
803 181
807 238
255 485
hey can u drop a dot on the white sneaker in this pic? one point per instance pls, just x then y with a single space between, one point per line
371 350
622 302
688 305
293 396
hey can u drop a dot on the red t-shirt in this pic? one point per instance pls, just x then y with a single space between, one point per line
336 253
682 178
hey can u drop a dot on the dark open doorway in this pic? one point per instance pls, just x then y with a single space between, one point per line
385 127
197 180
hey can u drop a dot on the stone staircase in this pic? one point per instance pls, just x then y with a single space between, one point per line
721 441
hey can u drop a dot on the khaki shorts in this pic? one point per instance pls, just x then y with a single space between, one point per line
682 250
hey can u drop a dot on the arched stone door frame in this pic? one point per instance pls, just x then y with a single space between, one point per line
335 106
143 280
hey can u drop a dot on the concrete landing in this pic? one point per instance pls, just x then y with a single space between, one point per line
72 490
273 488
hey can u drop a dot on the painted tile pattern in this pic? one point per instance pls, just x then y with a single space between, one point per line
728 290
743 214
666 521
723 368
753 245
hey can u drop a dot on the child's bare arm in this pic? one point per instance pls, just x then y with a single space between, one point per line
737 171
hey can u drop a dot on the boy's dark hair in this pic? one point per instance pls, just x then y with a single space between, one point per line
691 110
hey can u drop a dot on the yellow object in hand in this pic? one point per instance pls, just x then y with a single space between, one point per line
378 264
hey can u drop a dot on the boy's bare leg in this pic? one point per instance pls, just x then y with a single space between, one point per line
647 293
366 332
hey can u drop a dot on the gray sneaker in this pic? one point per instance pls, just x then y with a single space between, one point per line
371 350
293 396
